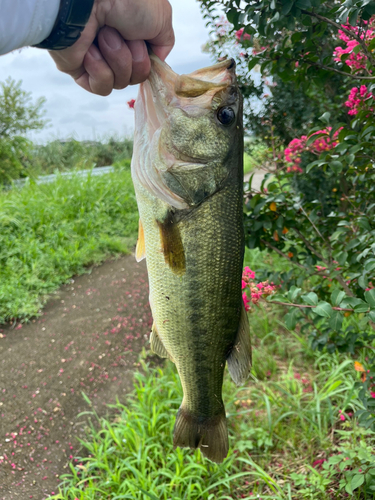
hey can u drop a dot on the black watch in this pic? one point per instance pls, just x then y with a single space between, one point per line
71 20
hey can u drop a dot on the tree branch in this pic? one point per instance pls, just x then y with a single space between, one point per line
269 245
309 246
303 306
329 68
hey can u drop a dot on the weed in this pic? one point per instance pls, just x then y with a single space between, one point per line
50 232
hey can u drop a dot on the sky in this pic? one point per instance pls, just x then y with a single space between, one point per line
72 111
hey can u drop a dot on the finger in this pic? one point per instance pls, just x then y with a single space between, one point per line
99 77
163 43
117 55
141 64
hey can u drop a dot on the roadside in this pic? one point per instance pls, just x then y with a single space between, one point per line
87 340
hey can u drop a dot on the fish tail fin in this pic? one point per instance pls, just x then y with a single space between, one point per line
239 359
208 434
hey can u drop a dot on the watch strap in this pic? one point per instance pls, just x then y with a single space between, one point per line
71 20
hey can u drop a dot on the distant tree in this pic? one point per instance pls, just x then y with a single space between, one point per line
18 115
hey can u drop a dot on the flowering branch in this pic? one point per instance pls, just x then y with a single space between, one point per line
269 245
345 30
302 306
334 70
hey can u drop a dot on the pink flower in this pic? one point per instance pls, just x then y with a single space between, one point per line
241 36
246 301
248 273
131 103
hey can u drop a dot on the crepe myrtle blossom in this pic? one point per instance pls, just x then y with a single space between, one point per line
355 61
240 35
357 97
297 146
131 103
257 290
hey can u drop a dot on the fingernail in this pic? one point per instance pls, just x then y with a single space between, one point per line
112 39
94 53
138 49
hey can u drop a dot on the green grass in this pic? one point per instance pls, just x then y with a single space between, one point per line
279 424
50 232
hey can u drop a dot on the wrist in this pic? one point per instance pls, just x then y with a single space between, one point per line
71 20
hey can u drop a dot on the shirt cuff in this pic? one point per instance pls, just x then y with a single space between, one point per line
26 22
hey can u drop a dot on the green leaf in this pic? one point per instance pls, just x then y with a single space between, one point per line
336 166
335 321
291 319
303 4
341 258
363 281
314 164
325 117
350 158
360 308
371 315
370 297
337 296
351 302
253 61
369 265
353 17
311 299
323 309
293 293
287 5
357 481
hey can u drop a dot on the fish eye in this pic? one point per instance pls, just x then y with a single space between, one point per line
226 115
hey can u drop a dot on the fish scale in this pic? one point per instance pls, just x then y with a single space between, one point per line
193 240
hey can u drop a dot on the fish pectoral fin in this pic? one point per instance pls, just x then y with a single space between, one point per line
157 345
140 250
239 359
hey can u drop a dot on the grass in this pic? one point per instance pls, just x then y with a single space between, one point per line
50 232
287 440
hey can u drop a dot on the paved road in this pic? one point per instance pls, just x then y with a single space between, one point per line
257 179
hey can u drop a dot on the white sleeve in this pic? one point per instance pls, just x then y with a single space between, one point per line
25 22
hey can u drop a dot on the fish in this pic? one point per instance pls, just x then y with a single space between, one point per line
187 170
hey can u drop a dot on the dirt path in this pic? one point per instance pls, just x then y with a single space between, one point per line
88 339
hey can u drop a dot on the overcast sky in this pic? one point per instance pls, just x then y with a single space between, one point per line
73 111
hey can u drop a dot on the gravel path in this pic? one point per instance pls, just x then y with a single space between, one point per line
88 340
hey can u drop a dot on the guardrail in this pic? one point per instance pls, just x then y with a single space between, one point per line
46 179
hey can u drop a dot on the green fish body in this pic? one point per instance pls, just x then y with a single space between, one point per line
188 176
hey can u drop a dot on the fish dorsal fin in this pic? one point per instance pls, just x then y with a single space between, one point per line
157 345
239 359
140 250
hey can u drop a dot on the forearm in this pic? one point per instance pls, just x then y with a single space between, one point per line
25 22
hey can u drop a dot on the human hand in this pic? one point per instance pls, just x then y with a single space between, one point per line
120 57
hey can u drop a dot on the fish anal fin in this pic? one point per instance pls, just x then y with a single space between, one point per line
140 250
209 434
172 247
239 359
157 345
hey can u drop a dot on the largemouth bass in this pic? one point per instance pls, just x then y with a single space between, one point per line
187 170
